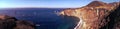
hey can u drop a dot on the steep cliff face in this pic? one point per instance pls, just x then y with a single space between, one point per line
91 16
114 18
7 22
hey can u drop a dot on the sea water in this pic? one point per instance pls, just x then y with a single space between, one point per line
43 18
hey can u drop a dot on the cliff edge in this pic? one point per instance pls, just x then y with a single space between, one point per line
8 22
93 15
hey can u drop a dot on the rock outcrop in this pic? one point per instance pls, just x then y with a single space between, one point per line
92 16
114 18
7 22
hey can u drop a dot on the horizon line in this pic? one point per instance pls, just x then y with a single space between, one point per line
39 7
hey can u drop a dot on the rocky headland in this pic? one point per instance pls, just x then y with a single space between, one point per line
95 15
8 22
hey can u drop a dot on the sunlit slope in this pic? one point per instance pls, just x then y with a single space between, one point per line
92 16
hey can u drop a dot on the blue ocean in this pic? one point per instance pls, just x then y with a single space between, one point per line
43 18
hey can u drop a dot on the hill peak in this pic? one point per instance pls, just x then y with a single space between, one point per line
96 4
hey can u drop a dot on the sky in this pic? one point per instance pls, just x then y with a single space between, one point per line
47 3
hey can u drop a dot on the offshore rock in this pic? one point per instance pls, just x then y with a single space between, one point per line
7 22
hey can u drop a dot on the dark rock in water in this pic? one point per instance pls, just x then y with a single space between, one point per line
7 22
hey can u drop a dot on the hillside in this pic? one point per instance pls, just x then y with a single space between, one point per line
8 22
92 16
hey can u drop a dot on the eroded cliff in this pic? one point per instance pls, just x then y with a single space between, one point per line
92 16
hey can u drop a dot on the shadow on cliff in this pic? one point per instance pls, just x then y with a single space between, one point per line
114 20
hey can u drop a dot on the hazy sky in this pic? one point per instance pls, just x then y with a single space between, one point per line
47 3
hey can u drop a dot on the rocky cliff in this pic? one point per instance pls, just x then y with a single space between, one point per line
7 22
114 20
93 15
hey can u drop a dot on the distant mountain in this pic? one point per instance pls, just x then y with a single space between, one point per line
93 15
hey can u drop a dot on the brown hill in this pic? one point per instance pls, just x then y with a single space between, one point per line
92 16
96 4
